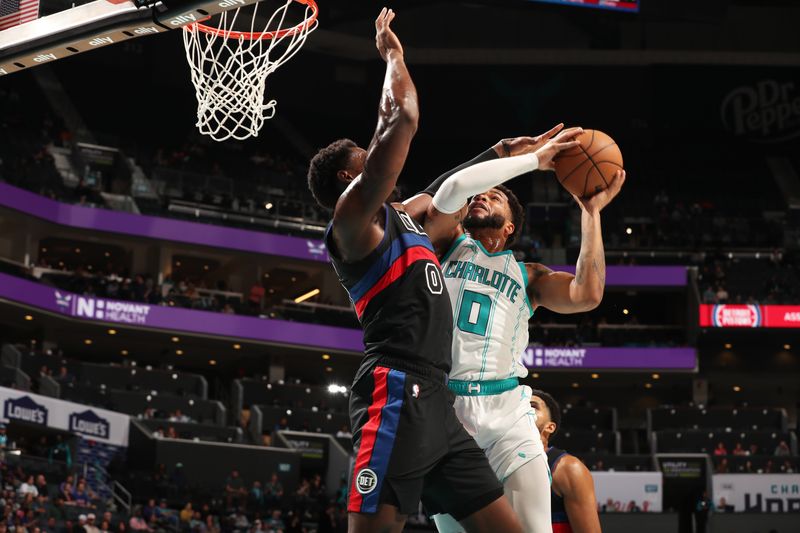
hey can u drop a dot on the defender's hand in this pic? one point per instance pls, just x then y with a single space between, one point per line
385 39
563 141
525 145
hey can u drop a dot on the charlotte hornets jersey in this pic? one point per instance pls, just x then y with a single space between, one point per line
488 292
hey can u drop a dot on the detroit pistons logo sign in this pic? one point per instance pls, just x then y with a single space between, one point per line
366 481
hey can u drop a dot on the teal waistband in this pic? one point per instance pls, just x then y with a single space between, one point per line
482 388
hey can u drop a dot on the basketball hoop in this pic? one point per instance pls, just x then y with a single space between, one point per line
229 67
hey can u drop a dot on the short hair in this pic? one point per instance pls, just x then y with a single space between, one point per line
322 179
517 214
552 406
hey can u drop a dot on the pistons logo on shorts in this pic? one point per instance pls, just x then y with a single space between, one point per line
366 481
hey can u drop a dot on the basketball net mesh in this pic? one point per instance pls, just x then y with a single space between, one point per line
229 69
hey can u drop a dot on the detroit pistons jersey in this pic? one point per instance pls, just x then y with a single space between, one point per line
488 293
398 294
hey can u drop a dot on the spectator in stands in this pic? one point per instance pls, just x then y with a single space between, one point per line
723 506
28 487
701 510
235 492
186 514
240 521
738 450
80 527
609 507
81 495
256 298
61 452
137 522
344 432
633 507
67 487
178 478
258 526
709 296
178 416
171 433
159 433
273 492
4 437
748 467
41 485
256 498
275 521
722 466
64 377
782 449
722 294
283 423
787 467
753 449
212 526
720 449
51 526
105 526
90 526
769 467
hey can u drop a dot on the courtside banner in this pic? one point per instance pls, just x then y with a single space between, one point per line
749 316
605 358
618 489
88 422
758 493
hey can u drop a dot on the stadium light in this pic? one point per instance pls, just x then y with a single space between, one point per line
325 356
306 296
28 317
787 346
112 332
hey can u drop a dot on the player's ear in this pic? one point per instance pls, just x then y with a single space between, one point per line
344 176
509 229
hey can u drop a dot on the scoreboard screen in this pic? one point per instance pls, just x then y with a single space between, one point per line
616 5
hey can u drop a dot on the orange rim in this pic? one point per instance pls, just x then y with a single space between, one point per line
251 36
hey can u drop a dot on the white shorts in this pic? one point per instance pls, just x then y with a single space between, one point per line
504 426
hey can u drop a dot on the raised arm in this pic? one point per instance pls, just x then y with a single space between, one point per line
561 291
448 205
574 482
398 114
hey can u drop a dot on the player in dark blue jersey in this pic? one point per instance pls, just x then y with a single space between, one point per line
573 505
409 445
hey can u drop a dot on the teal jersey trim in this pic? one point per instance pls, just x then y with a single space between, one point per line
482 388
503 252
453 247
525 278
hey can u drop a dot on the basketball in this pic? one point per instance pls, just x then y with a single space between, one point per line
588 169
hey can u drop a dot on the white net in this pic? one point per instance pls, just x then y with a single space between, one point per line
229 68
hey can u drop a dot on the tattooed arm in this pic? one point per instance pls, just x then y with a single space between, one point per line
562 292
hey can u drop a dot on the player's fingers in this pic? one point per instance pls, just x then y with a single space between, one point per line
561 146
390 17
553 131
569 132
380 17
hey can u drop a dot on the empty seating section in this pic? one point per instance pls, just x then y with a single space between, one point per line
599 418
297 395
300 419
587 440
704 440
117 377
204 432
137 403
717 417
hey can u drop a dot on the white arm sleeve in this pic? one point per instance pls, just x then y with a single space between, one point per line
467 182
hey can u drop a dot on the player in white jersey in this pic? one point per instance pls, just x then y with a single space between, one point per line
493 298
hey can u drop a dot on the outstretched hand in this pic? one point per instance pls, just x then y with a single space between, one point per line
595 203
385 39
552 147
525 145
